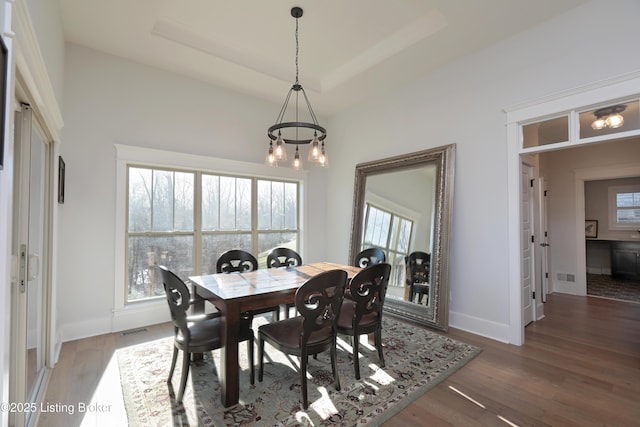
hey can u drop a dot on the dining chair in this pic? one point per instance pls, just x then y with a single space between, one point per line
318 301
236 261
196 333
362 313
283 257
418 265
369 256
241 261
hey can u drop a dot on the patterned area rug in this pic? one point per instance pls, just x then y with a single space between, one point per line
609 287
416 360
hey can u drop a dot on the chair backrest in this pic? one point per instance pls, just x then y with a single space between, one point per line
418 266
178 298
369 256
319 300
236 261
368 288
283 257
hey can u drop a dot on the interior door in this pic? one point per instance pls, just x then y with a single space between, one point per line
527 254
543 237
30 240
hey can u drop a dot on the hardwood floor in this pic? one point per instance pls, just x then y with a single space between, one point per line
580 366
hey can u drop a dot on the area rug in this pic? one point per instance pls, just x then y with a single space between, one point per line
416 360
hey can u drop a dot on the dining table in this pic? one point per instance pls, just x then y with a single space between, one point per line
236 293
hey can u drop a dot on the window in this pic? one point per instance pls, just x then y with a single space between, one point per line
624 207
390 232
187 219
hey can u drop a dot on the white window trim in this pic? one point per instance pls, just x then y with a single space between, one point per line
137 314
613 207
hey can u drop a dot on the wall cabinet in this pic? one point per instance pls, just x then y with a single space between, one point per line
625 260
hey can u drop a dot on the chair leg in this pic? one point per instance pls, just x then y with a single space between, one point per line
379 345
186 358
173 363
334 364
260 358
251 361
356 352
303 380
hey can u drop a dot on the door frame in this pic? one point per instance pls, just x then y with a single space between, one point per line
569 101
20 390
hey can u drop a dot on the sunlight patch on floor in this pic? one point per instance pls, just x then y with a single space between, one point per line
468 397
107 404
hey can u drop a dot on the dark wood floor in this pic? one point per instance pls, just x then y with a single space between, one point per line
580 366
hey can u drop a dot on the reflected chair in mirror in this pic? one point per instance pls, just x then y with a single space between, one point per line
283 257
369 256
418 265
241 261
362 313
318 301
196 333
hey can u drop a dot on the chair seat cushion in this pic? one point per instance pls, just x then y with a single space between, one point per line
207 332
287 333
345 321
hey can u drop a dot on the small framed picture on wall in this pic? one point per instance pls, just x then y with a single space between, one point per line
3 97
61 179
591 228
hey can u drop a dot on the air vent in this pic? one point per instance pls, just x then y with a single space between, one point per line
134 331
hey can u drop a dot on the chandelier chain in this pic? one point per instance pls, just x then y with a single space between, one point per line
297 50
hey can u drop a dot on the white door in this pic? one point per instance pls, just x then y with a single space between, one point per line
543 248
30 240
527 230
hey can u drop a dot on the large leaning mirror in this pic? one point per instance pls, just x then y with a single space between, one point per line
403 205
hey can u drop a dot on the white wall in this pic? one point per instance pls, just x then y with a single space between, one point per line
463 104
110 100
558 168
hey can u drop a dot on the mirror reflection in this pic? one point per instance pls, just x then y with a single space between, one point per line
398 218
402 205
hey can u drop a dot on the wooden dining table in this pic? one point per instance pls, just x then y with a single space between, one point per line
236 293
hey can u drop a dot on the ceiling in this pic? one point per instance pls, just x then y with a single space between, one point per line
349 49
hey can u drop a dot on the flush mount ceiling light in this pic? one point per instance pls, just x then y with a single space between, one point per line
296 132
608 117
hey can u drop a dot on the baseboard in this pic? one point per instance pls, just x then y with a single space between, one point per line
485 328
131 317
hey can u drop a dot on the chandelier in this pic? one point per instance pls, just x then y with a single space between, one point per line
296 132
608 117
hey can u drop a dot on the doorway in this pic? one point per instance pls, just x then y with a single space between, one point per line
31 242
569 107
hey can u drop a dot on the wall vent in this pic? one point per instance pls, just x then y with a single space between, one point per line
133 331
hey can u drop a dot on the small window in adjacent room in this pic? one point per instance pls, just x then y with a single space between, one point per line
624 207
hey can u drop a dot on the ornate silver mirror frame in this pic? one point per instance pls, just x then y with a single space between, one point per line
435 313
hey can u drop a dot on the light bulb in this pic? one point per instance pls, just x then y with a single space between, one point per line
598 124
297 164
279 151
271 158
314 150
323 160
615 121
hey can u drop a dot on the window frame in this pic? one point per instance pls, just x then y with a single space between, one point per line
613 207
159 159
